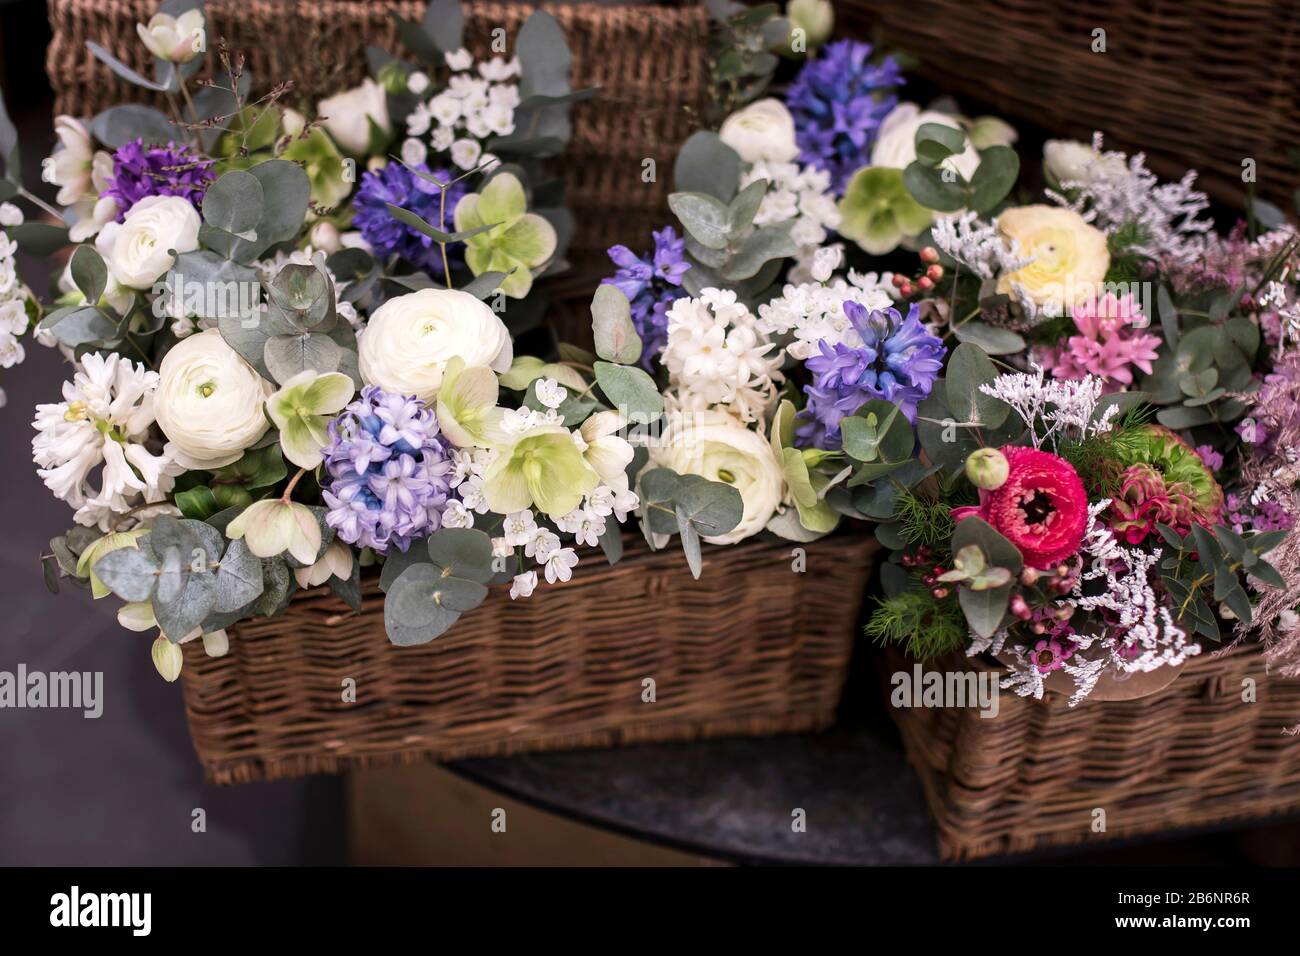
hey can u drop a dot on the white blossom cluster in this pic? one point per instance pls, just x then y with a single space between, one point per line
1118 190
1056 405
103 420
13 299
978 245
718 357
1142 637
478 103
813 312
802 196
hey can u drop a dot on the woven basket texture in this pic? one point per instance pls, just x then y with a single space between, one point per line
1197 84
1194 754
650 63
751 648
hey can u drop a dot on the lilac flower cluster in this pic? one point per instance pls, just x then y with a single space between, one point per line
897 361
141 171
838 101
388 471
385 234
651 283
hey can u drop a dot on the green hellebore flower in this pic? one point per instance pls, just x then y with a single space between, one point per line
467 405
274 526
877 212
814 513
302 408
167 657
544 469
518 240
108 543
323 163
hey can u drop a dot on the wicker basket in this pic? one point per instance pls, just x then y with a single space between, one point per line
650 63
1191 755
1197 84
751 648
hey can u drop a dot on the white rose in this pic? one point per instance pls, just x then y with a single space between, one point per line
209 402
719 447
762 132
410 339
140 249
178 39
1067 160
896 144
344 115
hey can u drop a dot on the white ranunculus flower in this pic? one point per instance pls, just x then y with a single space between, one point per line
763 132
1068 160
139 250
410 339
178 39
209 402
345 114
896 144
720 447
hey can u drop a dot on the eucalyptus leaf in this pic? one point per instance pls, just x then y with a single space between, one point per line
463 553
131 573
705 164
89 273
239 578
703 216
993 178
993 340
969 367
615 335
630 390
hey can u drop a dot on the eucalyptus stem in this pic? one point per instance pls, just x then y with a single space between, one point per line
38 201
442 226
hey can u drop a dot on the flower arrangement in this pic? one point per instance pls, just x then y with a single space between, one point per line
291 339
1094 494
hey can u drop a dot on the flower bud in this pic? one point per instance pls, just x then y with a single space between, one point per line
929 255
325 237
987 468
815 17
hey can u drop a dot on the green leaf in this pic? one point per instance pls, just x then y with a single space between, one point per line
198 502
80 326
1266 573
630 390
414 608
130 573
122 70
416 38
545 65
703 216
743 208
615 335
239 578
761 246
690 543
712 507
233 204
1179 417
462 553
992 340
611 542
444 21
931 189
935 142
39 238
969 367
9 155
89 273
705 164
993 178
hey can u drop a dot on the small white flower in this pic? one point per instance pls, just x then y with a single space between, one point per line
445 108
560 564
417 82
523 585
10 215
419 120
471 493
501 548
551 393
519 527
825 262
414 152
442 138
488 162
590 528
625 502
571 522
541 544
460 60
465 153
500 119
457 515
601 501
498 70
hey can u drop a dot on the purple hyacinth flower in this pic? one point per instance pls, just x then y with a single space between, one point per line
387 235
141 171
898 361
651 283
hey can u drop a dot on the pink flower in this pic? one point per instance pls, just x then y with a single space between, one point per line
1042 508
1110 344
1213 460
1049 655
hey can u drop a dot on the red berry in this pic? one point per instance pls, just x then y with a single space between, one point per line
939 593
935 272
925 283
929 254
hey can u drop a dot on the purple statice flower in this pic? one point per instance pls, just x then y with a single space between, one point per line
651 283
387 471
386 235
1213 460
838 101
141 171
897 361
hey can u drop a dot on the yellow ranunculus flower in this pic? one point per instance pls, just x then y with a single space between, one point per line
1070 257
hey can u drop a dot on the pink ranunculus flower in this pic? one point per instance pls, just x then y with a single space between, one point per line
1042 507
1110 344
